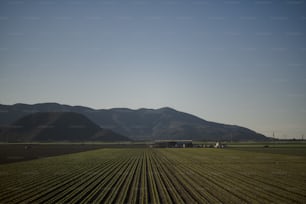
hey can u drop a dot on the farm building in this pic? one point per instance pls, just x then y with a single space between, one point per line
219 145
173 143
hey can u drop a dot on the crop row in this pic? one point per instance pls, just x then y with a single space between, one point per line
153 176
261 186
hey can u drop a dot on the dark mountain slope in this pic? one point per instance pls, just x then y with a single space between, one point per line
142 124
167 123
57 126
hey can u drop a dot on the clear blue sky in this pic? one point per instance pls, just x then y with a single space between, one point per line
235 62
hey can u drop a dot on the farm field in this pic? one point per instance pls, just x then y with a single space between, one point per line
146 175
20 152
17 152
286 148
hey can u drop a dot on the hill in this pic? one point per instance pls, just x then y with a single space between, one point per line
56 127
142 124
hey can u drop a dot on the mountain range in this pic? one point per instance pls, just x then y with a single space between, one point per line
141 124
55 127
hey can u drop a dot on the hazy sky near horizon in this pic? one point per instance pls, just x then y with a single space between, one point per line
235 62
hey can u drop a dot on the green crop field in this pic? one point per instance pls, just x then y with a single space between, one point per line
157 176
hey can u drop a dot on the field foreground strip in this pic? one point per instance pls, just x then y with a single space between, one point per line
156 176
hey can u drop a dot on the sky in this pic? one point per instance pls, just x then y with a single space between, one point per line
233 62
